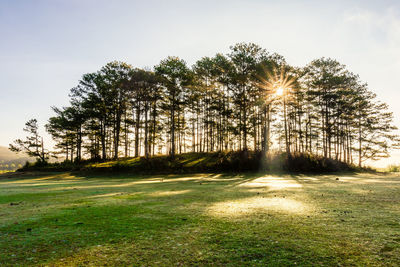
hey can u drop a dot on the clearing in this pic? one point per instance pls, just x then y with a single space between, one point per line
204 219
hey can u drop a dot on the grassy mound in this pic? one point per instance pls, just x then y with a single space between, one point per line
239 161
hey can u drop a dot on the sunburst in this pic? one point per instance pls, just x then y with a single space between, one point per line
277 82
279 91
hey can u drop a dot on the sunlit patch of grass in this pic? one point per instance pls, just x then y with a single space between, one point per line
168 193
272 183
111 163
248 206
194 162
205 219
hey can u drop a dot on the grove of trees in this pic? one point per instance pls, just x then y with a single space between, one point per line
248 99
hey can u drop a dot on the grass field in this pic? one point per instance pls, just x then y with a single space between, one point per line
235 220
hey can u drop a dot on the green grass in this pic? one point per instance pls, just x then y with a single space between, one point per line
211 219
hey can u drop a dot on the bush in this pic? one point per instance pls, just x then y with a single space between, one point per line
393 168
238 161
304 162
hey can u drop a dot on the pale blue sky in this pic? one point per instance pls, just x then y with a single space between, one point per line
45 46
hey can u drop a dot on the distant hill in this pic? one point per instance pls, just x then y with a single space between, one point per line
10 160
6 154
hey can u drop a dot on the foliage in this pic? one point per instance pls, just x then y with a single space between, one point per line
393 168
33 144
246 105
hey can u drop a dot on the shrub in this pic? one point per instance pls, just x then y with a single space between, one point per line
304 162
393 168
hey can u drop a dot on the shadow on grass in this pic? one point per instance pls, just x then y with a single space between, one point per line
138 216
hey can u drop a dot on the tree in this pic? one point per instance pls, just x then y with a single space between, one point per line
97 99
247 99
33 144
115 75
245 58
66 128
175 77
144 93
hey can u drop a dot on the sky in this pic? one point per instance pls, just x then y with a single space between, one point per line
46 46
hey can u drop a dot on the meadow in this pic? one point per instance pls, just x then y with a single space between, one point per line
117 219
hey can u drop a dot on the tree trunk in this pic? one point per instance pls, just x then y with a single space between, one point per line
137 125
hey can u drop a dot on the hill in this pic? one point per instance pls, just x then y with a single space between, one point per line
203 162
10 160
6 154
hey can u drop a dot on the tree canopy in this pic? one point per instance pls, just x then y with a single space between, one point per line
248 99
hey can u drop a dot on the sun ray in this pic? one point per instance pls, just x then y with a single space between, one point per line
276 82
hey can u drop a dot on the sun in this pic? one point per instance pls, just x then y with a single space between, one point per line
279 91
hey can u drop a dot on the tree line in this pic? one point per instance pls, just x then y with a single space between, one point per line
247 99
